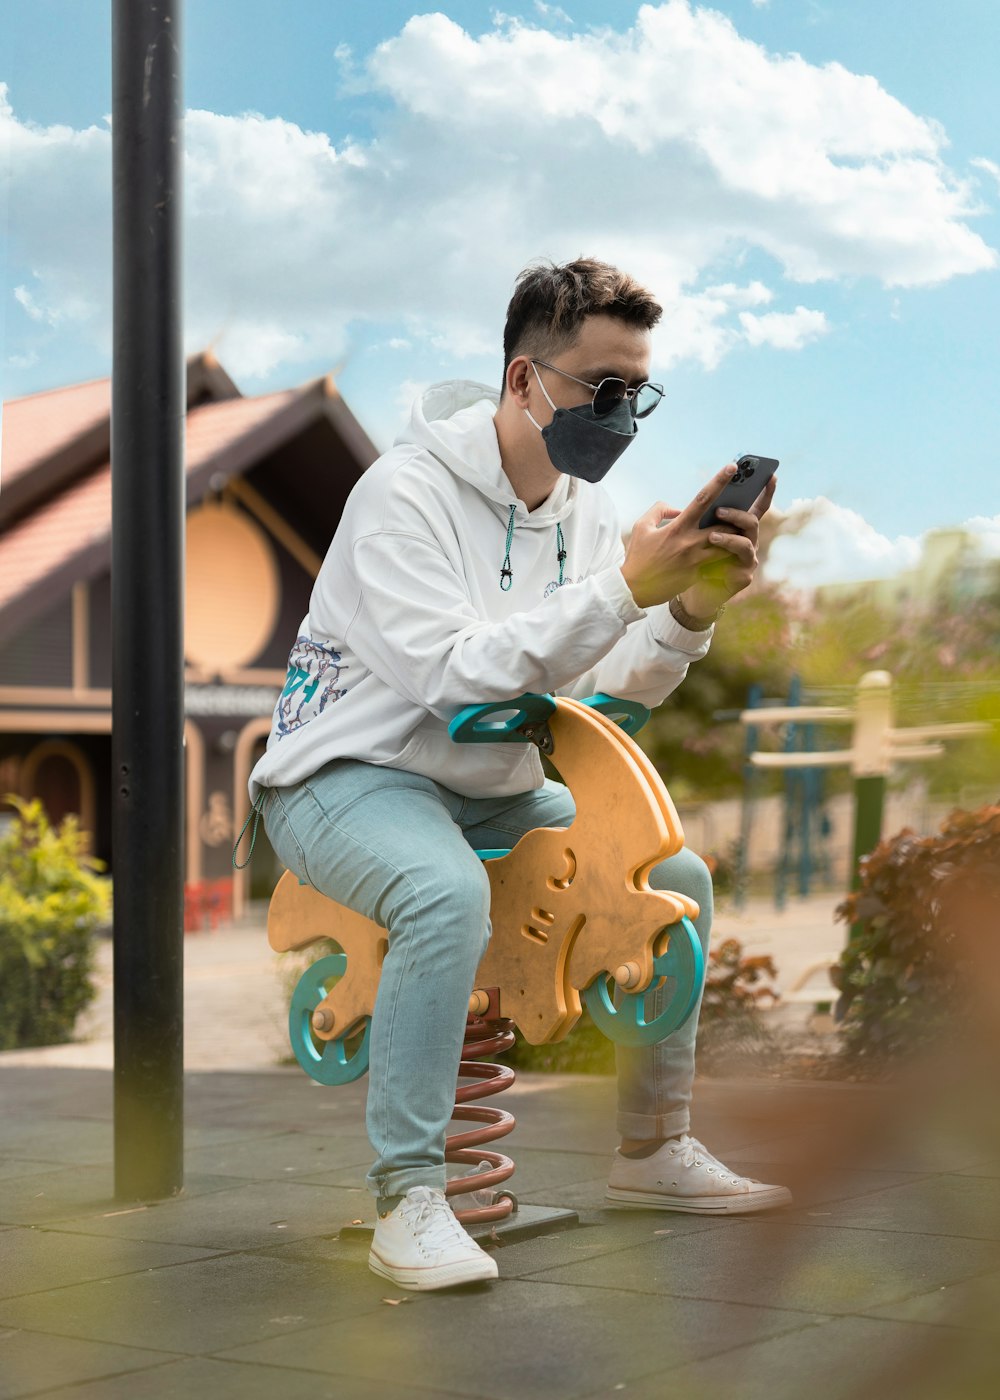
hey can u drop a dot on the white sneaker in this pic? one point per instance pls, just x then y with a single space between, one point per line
683 1175
421 1245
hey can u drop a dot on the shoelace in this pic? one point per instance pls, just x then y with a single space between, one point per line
695 1154
430 1217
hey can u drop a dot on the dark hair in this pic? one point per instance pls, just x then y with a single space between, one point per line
550 303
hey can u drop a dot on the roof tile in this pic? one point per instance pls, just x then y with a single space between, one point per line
80 516
40 424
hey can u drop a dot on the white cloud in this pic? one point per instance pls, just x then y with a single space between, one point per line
784 330
990 166
555 13
407 393
708 147
837 545
24 298
986 529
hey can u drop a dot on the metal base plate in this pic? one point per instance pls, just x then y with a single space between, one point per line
523 1224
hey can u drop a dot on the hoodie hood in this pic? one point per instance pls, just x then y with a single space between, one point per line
454 422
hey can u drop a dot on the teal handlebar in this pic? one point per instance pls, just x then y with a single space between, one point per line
474 724
629 715
501 721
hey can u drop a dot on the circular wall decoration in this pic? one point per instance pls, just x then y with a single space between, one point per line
233 588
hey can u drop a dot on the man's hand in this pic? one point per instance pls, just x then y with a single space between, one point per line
668 555
737 534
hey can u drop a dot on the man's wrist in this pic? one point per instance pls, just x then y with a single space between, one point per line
693 622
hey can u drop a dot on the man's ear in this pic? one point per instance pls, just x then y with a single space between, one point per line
518 378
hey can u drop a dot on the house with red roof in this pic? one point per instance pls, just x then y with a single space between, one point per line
267 478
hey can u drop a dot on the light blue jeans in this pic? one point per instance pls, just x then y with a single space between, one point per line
400 849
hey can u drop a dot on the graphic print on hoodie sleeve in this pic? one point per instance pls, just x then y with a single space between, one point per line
311 684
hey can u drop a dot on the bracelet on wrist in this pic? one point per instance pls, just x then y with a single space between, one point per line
687 620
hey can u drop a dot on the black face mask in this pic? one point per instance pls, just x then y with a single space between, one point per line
580 443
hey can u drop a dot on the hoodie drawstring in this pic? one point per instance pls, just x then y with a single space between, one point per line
507 573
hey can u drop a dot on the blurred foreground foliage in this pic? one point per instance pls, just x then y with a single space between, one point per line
52 899
925 967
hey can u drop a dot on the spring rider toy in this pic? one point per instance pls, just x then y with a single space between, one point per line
574 923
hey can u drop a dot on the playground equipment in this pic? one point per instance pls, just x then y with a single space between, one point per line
575 923
875 746
805 828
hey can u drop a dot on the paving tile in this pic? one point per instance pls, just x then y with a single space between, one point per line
813 1183
938 1205
593 1239
35 1260
851 1358
284 1155
78 1093
974 1302
251 1215
69 1193
23 1166
203 1306
80 1141
276 1103
577 1112
787 1265
990 1167
585 1195
230 1380
564 1341
35 1361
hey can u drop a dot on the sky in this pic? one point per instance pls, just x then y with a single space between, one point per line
810 188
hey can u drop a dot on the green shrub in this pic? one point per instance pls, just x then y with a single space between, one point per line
735 985
51 901
926 954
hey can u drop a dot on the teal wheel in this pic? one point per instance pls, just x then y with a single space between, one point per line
626 1024
326 1061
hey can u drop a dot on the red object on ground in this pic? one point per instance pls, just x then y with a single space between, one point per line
207 900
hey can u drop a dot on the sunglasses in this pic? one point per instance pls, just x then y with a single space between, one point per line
610 392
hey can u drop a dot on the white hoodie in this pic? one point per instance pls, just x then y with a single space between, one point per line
408 624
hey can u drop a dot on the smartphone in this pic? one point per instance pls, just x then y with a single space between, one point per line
752 475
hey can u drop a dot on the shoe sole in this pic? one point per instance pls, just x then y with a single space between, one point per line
702 1205
435 1276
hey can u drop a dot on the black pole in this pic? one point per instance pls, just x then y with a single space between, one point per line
147 480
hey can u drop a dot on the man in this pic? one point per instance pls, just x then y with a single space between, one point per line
476 560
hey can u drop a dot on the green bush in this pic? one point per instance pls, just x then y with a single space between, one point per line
735 985
927 950
51 901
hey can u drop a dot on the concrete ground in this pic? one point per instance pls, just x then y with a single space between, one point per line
882 1279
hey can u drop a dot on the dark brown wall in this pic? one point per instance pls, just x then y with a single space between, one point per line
43 653
308 480
296 586
100 632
